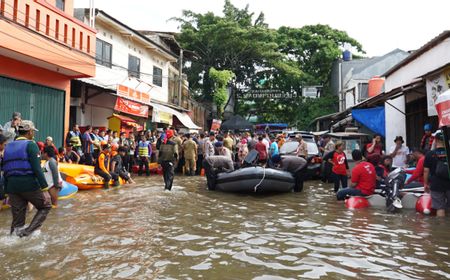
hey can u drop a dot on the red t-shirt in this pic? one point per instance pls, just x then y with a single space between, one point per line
365 176
377 150
417 174
262 150
340 163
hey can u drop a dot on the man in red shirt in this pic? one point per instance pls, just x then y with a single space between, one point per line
261 148
416 180
364 178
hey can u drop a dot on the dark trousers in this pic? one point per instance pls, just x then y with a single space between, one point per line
19 203
338 180
199 164
143 161
342 194
88 159
125 175
300 177
168 174
210 174
106 177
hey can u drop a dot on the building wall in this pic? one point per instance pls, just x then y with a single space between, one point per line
122 46
28 36
429 61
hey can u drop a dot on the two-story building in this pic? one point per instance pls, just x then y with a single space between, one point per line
42 47
196 110
132 79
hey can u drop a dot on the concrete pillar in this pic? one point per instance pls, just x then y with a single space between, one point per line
395 120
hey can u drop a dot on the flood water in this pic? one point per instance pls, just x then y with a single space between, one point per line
143 232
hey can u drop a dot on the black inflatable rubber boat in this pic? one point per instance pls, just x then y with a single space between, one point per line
255 179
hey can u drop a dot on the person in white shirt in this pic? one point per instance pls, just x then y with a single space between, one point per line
399 153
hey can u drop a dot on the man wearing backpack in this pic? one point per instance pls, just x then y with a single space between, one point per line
436 176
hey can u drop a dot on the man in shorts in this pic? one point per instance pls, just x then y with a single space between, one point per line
438 184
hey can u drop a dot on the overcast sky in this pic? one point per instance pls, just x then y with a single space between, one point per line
380 26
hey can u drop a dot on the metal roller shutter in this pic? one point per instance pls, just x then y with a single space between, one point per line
43 105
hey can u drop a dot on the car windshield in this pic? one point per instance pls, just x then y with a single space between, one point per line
290 147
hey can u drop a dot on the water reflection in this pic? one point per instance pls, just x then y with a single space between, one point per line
143 232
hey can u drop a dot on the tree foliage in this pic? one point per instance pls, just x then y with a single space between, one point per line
287 59
220 80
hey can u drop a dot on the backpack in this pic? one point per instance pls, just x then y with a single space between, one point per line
442 169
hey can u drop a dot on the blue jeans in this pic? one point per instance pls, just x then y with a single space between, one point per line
342 194
338 180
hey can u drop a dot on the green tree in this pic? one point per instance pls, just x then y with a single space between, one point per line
220 80
286 59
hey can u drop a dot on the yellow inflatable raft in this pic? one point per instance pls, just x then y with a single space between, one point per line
74 170
88 182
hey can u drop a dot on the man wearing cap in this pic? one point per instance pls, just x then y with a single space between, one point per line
10 128
294 165
168 155
399 153
49 142
24 180
427 139
436 178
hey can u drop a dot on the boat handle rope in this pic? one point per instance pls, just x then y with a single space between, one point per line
260 182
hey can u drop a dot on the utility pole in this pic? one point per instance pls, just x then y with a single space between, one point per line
180 81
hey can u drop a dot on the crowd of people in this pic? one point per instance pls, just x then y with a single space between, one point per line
115 155
429 167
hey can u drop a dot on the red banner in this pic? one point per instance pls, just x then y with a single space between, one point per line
131 107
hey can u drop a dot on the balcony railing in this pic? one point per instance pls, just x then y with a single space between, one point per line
47 20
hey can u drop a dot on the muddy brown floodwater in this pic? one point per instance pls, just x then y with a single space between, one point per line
143 232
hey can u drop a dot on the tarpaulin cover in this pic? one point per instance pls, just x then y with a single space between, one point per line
372 118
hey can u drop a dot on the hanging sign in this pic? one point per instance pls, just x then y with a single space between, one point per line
131 107
133 94
436 85
216 124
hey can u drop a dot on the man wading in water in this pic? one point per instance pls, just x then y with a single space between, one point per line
168 154
25 180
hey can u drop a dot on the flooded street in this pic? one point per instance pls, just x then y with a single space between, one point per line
143 232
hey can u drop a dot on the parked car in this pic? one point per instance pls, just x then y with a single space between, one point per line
314 158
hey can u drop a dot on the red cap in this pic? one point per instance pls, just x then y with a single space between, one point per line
169 134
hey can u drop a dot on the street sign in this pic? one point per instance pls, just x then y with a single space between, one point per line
268 94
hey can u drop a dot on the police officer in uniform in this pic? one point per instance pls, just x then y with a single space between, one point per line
144 151
168 155
24 180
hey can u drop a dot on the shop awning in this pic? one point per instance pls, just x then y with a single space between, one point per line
372 118
182 117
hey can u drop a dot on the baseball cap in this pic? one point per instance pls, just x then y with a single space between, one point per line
49 138
27 125
16 115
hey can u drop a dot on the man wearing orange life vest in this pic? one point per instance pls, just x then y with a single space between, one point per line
102 165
